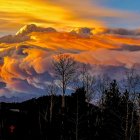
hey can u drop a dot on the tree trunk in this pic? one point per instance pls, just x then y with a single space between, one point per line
63 111
40 125
63 101
132 125
126 122
63 94
51 108
77 120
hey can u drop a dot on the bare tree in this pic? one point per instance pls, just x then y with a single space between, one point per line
88 82
77 117
139 113
65 68
132 80
51 90
132 83
102 84
42 118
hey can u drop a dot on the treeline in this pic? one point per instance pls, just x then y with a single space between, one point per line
98 109
115 118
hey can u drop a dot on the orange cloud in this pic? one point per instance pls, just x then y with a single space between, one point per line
62 14
27 65
16 13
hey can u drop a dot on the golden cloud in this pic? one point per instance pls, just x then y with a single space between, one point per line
63 14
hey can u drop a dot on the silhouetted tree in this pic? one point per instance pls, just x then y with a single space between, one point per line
52 91
127 108
78 114
112 120
64 66
31 119
88 82
132 85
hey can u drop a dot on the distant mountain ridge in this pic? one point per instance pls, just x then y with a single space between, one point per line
15 99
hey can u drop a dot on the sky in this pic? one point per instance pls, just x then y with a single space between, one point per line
102 33
68 14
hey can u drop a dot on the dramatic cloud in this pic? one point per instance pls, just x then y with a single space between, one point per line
64 14
33 28
22 34
13 39
128 48
119 31
2 85
83 32
26 65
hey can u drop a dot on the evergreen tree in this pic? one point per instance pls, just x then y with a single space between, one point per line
111 128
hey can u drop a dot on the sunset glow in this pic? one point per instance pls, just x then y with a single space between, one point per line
91 31
69 69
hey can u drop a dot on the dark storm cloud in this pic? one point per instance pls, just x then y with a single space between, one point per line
127 47
2 85
120 31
